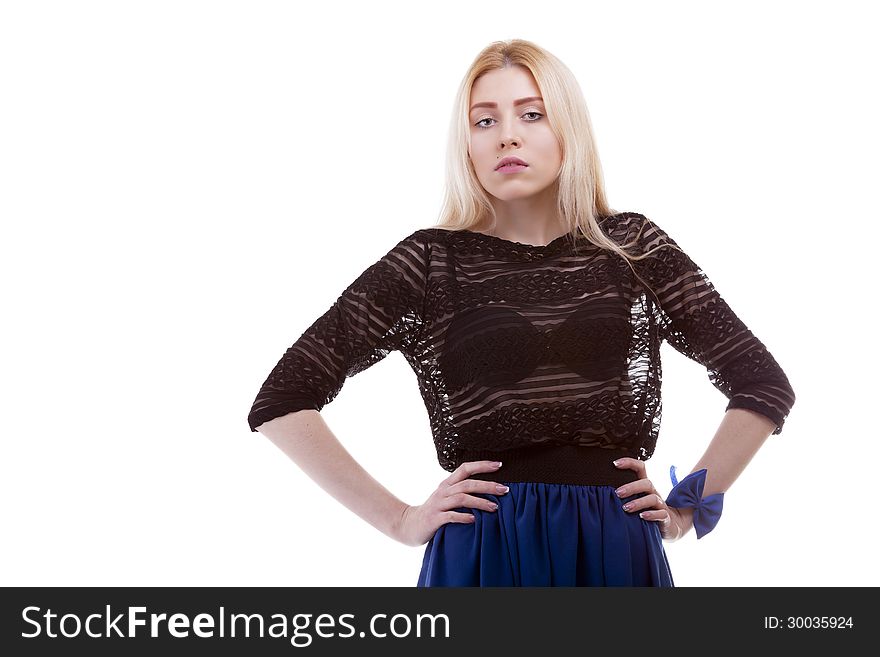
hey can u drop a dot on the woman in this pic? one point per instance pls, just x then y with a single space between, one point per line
532 315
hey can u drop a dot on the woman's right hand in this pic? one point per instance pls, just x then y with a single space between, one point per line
419 523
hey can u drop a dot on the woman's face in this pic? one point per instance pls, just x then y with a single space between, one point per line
500 126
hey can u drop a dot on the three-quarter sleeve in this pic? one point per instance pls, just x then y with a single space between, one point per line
698 323
381 311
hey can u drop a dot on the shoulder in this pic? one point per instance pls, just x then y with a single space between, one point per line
411 254
623 226
420 238
416 242
432 235
634 228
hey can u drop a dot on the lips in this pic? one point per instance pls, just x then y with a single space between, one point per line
510 160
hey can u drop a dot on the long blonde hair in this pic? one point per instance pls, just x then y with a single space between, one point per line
581 188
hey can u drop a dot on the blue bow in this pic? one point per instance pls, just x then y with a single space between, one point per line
689 493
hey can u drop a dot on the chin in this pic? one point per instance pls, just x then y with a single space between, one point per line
513 192
514 197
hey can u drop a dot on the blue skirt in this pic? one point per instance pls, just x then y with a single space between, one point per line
549 534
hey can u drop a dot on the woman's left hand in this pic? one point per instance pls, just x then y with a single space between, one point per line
674 522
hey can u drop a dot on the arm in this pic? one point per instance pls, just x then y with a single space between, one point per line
738 438
379 312
309 442
698 322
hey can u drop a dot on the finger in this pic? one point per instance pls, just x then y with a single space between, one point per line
478 486
627 463
463 500
469 468
655 500
656 515
634 487
455 516
652 501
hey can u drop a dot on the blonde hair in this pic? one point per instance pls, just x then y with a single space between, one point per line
581 188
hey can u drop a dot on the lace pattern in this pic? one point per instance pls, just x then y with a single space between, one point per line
516 344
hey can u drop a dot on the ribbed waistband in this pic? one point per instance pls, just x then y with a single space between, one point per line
555 464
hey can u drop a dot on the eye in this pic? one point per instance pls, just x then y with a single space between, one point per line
488 118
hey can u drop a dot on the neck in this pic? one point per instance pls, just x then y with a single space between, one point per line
533 220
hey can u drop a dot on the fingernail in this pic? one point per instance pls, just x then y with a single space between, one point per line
620 491
496 464
502 489
615 462
628 506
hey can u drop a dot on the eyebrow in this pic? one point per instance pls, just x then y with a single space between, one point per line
521 101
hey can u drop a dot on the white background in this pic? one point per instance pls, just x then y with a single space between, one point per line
186 186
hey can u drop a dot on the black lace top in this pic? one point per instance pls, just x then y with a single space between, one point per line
516 344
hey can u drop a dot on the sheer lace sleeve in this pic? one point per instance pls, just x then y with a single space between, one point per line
698 323
379 312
